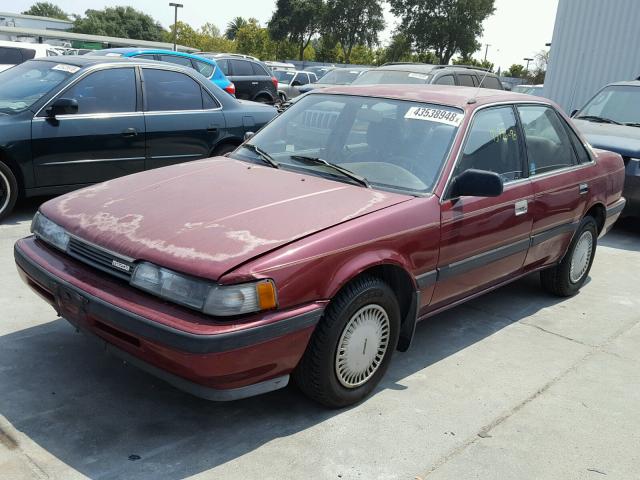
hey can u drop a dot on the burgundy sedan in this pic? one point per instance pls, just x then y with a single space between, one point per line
314 248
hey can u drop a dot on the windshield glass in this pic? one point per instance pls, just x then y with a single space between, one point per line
24 84
394 145
283 76
340 76
376 77
620 103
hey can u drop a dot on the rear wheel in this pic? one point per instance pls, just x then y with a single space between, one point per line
352 345
263 99
223 149
8 190
566 278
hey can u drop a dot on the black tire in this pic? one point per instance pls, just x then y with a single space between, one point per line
316 374
558 279
263 99
283 97
8 190
223 149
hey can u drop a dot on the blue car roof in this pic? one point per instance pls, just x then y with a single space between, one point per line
130 51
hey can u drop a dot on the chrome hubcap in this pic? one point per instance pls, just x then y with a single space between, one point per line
581 257
362 346
5 192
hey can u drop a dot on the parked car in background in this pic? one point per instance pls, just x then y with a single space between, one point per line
280 65
253 80
70 121
314 248
529 89
205 66
421 73
320 71
611 121
220 54
339 76
14 53
289 82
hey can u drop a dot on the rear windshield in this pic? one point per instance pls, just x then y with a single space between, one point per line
376 77
283 76
340 76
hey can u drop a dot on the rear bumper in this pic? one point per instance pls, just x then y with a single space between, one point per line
632 188
213 363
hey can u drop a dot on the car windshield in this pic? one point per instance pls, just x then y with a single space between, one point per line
377 77
620 103
24 84
387 144
283 76
340 76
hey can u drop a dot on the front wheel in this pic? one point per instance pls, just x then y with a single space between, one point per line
352 345
8 190
566 278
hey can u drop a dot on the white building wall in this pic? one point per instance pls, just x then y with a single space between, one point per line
595 42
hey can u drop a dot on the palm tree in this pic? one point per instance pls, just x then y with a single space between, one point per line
233 26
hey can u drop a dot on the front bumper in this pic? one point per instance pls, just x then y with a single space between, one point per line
632 188
213 360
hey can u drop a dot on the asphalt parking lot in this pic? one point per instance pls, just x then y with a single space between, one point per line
516 384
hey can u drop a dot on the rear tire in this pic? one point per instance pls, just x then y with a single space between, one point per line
8 190
263 99
223 149
566 278
350 349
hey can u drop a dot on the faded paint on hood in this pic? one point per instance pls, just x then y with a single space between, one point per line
621 139
206 217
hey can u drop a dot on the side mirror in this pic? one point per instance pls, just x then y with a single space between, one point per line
63 106
296 83
248 135
573 114
477 183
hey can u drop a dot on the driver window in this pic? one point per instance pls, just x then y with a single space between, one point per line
493 145
105 91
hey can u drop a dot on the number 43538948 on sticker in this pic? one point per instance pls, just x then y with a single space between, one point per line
434 115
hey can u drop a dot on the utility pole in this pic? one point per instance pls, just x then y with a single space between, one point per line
527 60
175 23
486 50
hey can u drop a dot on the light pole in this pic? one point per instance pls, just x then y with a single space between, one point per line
527 60
175 23
486 50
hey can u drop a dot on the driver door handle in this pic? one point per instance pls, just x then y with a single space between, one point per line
521 207
129 132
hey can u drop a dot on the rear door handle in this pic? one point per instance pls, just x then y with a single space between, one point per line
584 188
254 83
129 132
212 129
521 207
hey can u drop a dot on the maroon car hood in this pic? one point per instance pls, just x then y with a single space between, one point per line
208 216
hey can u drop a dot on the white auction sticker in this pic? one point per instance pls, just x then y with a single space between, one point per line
435 115
420 76
63 67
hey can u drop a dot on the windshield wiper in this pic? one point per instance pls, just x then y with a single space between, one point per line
595 118
320 161
264 156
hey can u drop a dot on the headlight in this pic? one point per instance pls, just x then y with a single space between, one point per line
207 297
50 232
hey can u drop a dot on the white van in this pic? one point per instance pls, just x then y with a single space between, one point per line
290 67
13 53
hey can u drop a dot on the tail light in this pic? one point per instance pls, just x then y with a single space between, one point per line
230 89
275 82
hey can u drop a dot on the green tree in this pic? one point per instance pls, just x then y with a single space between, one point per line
466 59
125 22
515 71
46 9
398 50
447 27
326 49
297 21
353 22
233 26
186 35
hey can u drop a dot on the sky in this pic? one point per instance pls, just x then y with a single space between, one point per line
518 28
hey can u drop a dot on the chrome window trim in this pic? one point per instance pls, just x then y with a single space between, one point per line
92 115
515 103
178 112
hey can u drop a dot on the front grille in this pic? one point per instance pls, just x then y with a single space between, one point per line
100 258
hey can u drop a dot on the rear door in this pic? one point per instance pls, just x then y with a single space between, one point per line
263 77
183 120
242 76
559 180
105 139
485 240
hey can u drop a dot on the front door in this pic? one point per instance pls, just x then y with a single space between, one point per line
183 120
485 240
104 139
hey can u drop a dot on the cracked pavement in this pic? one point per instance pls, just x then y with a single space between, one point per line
513 385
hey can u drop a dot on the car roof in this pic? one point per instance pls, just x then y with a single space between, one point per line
462 97
160 51
429 68
632 83
86 60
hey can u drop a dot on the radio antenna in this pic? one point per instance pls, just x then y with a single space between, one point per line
473 100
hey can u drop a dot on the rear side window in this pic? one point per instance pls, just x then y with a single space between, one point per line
205 69
491 82
548 145
467 80
10 56
581 151
28 54
105 91
241 68
259 70
185 62
223 65
492 144
208 102
446 80
166 91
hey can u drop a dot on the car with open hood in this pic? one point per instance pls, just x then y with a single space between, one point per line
313 249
